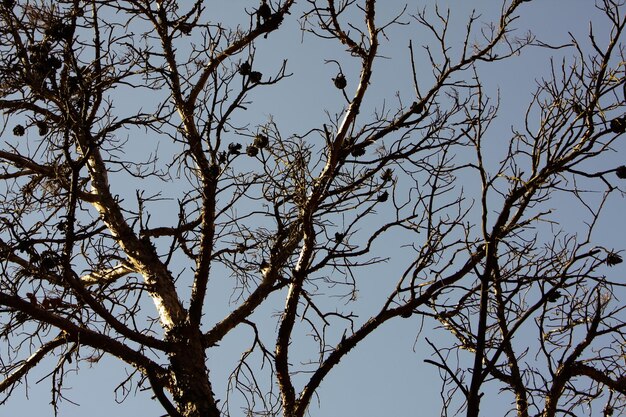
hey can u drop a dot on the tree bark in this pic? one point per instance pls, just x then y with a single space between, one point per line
191 388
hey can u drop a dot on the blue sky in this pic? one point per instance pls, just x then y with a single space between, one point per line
385 375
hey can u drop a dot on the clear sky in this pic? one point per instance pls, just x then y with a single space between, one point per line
386 374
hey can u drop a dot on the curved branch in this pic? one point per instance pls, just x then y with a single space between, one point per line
32 361
83 335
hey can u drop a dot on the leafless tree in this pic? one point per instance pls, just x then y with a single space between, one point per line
139 192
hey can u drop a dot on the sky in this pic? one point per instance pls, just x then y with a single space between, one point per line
385 375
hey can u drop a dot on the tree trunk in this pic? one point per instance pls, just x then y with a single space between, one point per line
191 388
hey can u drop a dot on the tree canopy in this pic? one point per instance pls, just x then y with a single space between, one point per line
165 184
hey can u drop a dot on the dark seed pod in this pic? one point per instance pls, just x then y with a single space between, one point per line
42 127
339 237
185 28
49 260
234 148
39 51
406 314
357 151
621 172
58 31
613 259
31 297
214 170
54 62
264 11
19 130
255 76
417 108
261 141
554 297
66 32
222 157
57 303
52 31
245 68
252 151
72 84
35 258
618 125
387 175
25 246
340 81
577 108
382 197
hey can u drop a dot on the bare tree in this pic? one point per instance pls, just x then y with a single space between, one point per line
134 171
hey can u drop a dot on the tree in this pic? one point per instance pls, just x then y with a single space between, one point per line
123 222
